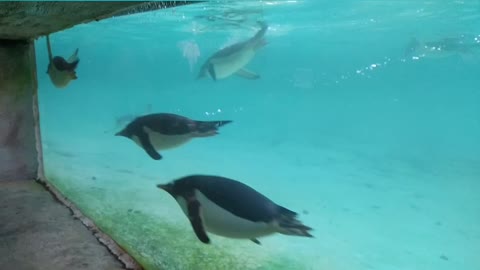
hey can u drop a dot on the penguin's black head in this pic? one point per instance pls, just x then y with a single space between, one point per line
169 187
124 132
180 187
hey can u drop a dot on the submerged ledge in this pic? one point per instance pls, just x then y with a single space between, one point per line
36 227
30 20
116 250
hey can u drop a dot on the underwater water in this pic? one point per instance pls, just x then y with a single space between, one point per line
374 143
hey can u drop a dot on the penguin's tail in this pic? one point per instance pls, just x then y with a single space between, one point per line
208 128
288 224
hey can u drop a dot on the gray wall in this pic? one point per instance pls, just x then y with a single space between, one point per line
18 154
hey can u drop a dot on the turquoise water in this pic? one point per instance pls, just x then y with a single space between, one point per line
377 150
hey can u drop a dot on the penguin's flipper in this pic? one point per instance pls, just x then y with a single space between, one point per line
195 219
211 71
74 57
255 240
247 74
148 147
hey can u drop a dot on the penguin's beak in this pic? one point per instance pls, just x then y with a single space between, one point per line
120 133
167 187
163 186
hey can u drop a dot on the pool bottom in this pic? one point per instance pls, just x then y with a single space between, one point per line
366 214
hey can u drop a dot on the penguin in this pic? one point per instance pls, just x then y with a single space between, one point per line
232 59
61 71
161 131
231 209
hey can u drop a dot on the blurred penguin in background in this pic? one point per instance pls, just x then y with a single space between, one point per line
61 71
463 46
233 59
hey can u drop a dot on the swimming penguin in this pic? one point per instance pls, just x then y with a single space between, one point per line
163 131
233 59
61 71
231 209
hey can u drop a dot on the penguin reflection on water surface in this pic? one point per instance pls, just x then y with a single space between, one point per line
161 131
229 208
61 71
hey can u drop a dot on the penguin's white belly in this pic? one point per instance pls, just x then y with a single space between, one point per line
162 142
227 66
218 221
59 78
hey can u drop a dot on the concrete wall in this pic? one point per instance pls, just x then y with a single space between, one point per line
18 85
